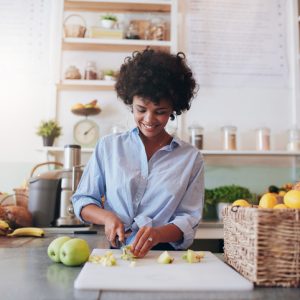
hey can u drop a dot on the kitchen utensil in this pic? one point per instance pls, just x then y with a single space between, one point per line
148 275
50 192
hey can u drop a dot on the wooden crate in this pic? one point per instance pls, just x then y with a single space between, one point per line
263 244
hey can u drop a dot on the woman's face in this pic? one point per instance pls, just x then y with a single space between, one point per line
150 118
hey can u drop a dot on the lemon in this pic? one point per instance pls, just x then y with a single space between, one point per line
292 199
280 206
241 202
282 193
268 200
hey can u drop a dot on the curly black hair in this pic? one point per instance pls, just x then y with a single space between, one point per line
155 76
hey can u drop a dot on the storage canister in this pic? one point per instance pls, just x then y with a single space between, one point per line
196 136
263 139
229 137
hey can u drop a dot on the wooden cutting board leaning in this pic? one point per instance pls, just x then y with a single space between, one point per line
148 275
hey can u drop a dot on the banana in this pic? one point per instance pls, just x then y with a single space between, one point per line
28 231
2 232
4 225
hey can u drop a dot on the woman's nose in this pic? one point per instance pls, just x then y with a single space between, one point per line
148 117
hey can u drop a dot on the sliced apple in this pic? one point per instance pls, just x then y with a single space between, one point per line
165 258
193 257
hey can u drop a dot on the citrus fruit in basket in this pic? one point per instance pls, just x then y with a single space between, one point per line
280 206
241 202
292 199
267 200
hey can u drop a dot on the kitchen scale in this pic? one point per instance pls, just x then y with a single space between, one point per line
86 131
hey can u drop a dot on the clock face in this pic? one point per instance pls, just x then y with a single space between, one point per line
86 133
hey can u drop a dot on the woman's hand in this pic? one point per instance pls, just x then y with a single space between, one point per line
146 238
113 227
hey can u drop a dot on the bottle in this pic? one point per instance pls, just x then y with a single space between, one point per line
263 139
229 137
196 136
90 72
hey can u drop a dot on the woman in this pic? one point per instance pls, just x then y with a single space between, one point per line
152 182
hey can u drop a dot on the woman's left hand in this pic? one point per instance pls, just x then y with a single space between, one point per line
146 238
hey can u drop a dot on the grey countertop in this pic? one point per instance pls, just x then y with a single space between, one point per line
28 273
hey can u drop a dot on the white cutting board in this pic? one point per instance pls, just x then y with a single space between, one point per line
148 275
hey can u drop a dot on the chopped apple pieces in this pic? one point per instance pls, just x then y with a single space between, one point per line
193 257
107 260
127 254
165 258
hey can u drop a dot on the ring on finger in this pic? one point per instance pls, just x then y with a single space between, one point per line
150 239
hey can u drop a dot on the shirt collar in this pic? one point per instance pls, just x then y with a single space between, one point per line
174 143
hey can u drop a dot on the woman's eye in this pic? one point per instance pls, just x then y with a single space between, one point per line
161 112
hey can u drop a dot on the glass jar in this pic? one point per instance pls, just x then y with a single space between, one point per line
263 139
229 137
196 136
294 140
90 72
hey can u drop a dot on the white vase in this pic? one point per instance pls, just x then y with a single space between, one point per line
220 207
107 24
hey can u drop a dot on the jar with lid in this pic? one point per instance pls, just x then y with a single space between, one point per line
294 140
90 72
263 139
196 136
229 137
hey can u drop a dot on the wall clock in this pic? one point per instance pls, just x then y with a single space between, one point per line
86 133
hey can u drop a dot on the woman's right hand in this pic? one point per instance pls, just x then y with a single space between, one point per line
113 227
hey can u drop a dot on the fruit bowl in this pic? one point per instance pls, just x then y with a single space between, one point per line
89 111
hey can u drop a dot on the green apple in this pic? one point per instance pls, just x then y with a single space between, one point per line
54 247
74 252
165 258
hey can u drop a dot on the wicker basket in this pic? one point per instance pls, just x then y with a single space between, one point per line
73 29
263 244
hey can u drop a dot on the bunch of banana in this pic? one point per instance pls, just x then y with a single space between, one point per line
4 227
28 231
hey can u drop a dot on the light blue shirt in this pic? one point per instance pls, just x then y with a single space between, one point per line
167 189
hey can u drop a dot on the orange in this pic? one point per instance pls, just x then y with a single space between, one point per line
292 199
268 200
280 206
241 202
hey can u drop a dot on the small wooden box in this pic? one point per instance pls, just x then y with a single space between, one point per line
101 33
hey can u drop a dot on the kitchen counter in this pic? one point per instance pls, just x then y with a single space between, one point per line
28 273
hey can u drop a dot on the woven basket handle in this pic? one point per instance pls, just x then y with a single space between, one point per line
75 15
45 163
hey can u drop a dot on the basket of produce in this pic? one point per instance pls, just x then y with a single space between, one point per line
74 26
263 242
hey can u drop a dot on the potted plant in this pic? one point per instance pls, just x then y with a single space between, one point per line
216 199
108 21
49 130
109 75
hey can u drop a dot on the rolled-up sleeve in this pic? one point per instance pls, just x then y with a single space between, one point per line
189 213
92 184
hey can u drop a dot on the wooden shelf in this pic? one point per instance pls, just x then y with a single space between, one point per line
204 152
248 153
118 6
103 85
93 44
52 150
